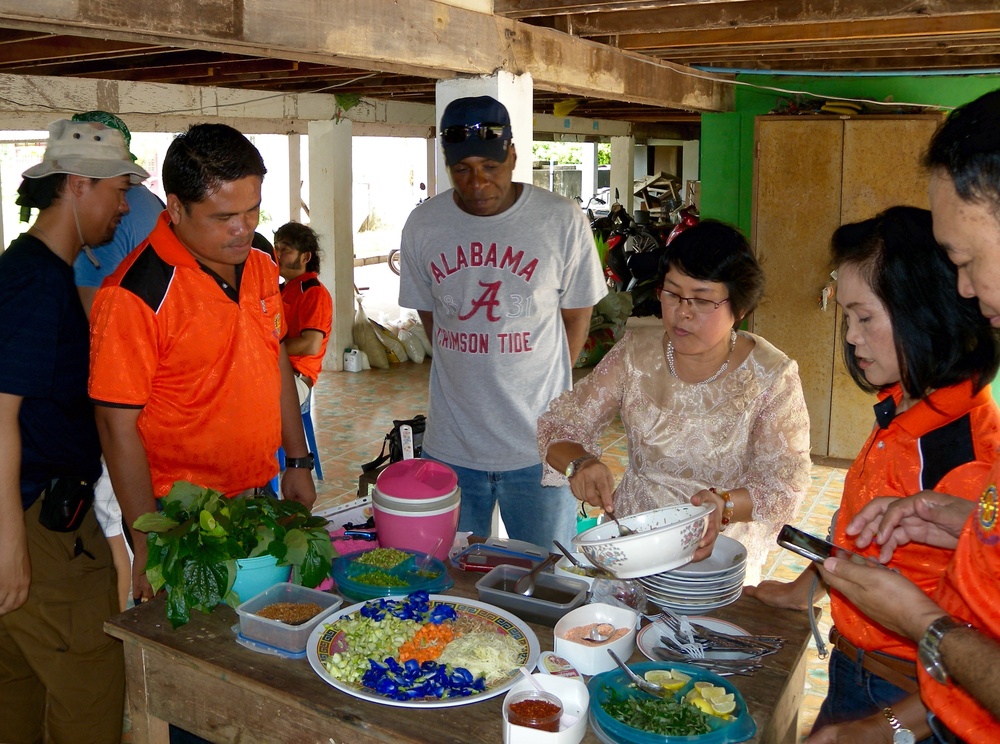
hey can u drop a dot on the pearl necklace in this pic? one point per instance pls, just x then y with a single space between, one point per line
713 378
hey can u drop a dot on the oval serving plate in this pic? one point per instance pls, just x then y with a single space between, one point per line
318 649
741 728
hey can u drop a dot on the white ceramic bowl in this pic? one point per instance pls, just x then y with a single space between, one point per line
664 539
592 658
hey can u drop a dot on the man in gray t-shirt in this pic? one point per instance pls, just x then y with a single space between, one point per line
504 277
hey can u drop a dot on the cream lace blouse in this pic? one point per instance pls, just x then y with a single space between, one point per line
748 429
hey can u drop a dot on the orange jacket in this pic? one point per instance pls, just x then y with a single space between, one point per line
947 443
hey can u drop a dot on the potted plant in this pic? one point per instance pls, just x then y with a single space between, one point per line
197 537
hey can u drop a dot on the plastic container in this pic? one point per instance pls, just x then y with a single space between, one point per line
554 595
419 571
254 575
416 504
572 726
534 709
593 658
282 636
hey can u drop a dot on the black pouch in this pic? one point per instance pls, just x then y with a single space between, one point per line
65 503
393 442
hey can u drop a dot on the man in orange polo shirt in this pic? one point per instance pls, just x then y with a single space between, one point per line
188 371
958 631
308 305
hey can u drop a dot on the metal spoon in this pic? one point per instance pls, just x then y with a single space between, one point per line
526 584
597 635
569 556
622 530
643 684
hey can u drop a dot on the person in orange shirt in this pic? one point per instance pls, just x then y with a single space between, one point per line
929 355
308 305
187 367
958 631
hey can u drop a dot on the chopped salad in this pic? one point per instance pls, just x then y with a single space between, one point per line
411 648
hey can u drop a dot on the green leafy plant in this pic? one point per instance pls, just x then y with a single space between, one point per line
195 541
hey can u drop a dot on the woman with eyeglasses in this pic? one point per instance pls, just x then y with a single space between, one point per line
711 414
929 355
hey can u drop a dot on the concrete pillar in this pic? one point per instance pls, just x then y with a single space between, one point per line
294 178
589 168
330 215
690 159
514 92
432 179
623 170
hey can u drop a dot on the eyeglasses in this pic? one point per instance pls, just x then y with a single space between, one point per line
484 131
698 304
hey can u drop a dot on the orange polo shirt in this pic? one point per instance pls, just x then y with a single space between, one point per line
199 357
946 443
308 306
969 591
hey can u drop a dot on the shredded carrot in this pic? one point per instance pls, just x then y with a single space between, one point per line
427 643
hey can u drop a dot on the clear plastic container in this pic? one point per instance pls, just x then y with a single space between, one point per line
534 709
282 636
554 595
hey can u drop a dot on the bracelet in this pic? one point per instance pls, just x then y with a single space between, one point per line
728 507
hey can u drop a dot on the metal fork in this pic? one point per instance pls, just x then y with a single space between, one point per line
723 667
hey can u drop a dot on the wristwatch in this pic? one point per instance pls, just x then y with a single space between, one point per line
929 648
575 465
308 462
900 734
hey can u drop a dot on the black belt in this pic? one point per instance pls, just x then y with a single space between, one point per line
898 672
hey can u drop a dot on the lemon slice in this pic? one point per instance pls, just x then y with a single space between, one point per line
722 708
703 705
714 693
680 676
659 676
702 685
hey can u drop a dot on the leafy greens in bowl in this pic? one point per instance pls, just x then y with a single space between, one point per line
197 537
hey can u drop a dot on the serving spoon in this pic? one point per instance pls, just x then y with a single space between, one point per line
526 584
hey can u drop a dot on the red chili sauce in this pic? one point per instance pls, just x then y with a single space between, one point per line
536 714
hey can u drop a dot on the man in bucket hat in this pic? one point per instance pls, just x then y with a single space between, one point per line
504 276
61 677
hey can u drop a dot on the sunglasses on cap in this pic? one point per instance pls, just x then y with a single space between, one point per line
461 132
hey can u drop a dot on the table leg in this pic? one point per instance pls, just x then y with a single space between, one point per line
146 728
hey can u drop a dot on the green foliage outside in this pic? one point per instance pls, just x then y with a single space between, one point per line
567 153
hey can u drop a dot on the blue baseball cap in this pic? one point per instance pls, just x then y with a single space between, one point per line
475 128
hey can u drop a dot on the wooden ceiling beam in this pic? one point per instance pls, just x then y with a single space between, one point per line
732 15
418 37
49 47
819 32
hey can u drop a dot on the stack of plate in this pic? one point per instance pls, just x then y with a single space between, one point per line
699 587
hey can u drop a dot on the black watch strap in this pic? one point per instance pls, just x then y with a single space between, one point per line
308 462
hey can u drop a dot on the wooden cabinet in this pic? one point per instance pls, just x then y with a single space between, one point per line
810 176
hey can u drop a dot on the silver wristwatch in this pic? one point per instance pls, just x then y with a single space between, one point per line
900 734
575 465
929 648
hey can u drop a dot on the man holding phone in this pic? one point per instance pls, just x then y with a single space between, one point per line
958 631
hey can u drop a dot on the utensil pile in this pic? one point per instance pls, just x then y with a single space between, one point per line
700 587
722 653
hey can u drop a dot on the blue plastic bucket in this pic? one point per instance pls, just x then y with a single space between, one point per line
254 575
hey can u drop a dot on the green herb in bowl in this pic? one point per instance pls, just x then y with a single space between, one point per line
382 557
664 717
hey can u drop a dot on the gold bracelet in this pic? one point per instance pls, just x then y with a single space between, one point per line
728 507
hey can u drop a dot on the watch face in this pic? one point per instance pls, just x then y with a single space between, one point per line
903 736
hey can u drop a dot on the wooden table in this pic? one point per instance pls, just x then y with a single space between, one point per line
199 678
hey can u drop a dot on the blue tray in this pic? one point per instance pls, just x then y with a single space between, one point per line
430 576
741 728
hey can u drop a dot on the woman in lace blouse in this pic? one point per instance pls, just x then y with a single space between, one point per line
710 414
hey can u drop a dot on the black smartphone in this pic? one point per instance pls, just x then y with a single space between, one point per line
817 549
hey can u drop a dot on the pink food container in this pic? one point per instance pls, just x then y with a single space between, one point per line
416 505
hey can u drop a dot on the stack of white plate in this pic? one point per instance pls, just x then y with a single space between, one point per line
699 587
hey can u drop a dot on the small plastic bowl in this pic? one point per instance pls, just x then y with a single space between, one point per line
516 715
